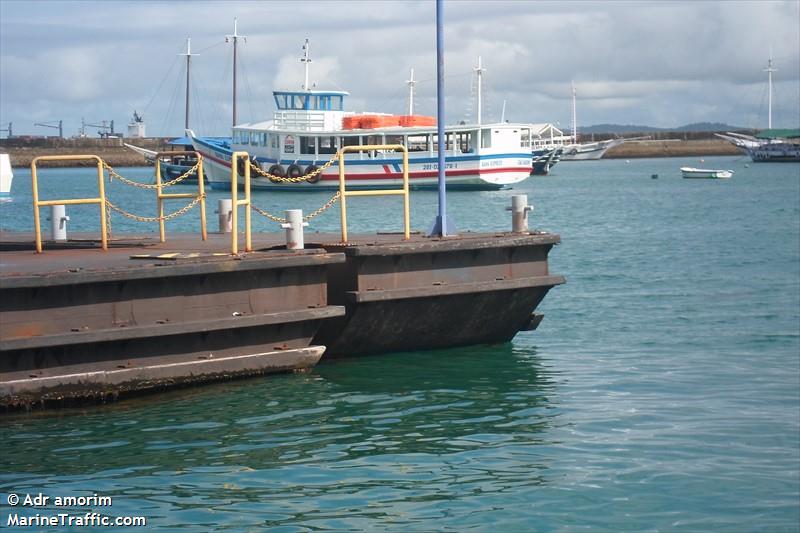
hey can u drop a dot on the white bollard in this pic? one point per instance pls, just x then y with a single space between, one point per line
58 222
294 229
225 215
519 213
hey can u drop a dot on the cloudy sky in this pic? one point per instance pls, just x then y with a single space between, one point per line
653 63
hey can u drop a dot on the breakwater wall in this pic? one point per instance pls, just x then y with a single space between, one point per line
23 149
672 148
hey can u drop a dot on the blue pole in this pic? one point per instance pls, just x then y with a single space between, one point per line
440 226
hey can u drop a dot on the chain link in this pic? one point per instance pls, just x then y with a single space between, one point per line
114 174
282 179
138 218
306 218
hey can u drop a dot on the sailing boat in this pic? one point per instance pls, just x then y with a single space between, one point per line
585 151
770 145
175 165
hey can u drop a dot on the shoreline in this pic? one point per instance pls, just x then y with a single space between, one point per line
113 152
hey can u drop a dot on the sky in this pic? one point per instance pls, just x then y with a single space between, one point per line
654 63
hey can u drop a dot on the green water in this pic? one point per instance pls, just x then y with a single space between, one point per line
660 393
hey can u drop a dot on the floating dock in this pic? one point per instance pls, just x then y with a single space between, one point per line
78 323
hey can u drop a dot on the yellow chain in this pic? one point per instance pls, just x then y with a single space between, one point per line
113 173
306 218
138 218
281 179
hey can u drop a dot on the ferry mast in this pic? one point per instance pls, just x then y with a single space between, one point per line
188 55
305 59
235 37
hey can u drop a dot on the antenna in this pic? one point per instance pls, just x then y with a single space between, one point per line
305 59
479 71
411 82
769 70
503 114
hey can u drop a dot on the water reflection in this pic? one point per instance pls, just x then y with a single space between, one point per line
393 436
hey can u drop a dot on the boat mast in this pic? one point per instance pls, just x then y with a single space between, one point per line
769 70
305 59
411 82
479 70
235 38
574 116
188 55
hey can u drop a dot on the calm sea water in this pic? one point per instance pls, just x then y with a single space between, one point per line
660 393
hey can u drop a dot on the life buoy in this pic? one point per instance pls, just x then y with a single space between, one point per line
294 171
276 170
310 169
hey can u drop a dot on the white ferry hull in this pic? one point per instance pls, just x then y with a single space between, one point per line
467 172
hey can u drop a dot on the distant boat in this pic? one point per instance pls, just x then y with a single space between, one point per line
690 172
770 145
6 175
585 151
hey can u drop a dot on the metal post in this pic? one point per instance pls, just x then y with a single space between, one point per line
440 225
224 212
58 222
519 213
295 240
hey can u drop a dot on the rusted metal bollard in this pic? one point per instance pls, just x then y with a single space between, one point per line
294 224
519 213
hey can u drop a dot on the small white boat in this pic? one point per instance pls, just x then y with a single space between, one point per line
6 175
690 172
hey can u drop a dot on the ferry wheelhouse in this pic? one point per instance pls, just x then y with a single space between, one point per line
310 126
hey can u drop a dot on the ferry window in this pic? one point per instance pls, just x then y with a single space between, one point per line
486 138
352 140
307 145
336 103
394 139
280 101
273 141
314 102
254 138
325 102
464 141
417 143
299 101
327 145
263 140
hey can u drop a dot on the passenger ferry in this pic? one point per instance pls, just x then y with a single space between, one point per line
309 126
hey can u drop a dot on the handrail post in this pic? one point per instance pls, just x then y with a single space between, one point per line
103 206
37 204
234 206
343 194
202 188
159 200
35 190
235 203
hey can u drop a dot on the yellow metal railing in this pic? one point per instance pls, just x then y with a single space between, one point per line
99 200
200 193
343 193
235 203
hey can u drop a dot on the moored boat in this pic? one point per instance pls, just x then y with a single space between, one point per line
310 126
691 172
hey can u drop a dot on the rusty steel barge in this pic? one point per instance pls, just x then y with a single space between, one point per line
142 313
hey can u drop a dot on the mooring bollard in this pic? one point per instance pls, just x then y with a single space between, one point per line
294 229
58 222
519 213
225 215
